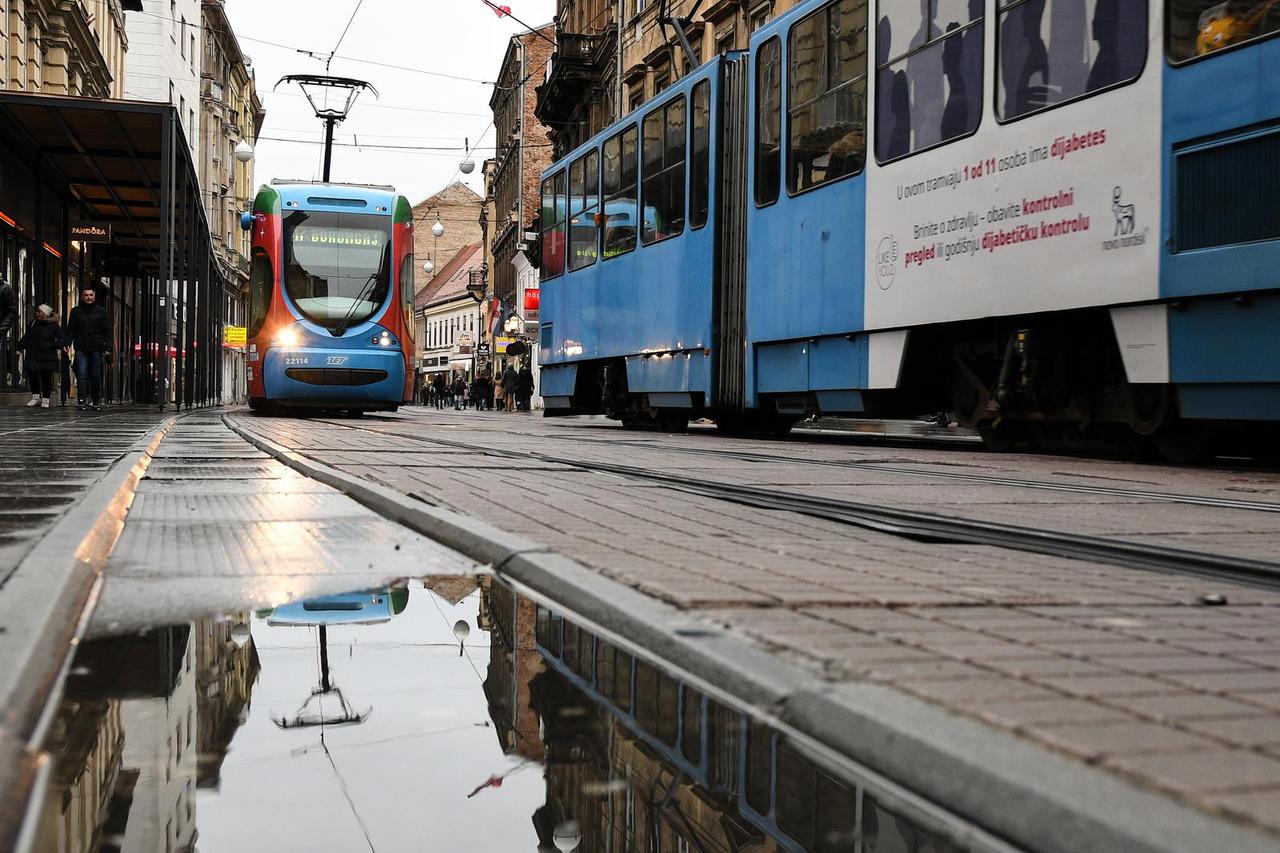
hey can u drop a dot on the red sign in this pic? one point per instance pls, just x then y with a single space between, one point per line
532 296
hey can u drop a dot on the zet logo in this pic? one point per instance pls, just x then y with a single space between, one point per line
336 359
886 262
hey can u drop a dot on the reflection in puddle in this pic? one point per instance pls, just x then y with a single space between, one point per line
384 720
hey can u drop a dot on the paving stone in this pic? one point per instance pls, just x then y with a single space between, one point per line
1183 706
1096 739
1248 681
1259 731
1012 714
1105 685
1259 806
1203 772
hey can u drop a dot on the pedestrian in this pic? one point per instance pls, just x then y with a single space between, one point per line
459 392
524 387
41 343
89 331
499 395
477 392
8 318
437 389
509 382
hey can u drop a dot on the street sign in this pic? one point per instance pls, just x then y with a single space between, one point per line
464 339
234 336
87 231
483 349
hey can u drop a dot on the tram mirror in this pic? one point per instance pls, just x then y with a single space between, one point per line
246 221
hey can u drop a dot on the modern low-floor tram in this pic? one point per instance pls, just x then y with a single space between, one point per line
330 319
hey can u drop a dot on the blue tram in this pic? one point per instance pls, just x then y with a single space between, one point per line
1036 214
330 319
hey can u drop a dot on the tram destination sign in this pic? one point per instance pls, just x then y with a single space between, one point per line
88 231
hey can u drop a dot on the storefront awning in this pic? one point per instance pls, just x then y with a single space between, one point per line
125 161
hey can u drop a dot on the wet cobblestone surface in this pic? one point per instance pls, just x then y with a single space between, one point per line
1116 667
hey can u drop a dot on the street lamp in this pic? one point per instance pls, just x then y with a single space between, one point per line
437 230
244 151
461 630
467 166
428 267
567 836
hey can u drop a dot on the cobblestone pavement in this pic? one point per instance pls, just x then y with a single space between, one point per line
1118 667
50 457
217 525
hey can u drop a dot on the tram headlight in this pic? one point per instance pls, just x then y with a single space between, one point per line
287 338
383 340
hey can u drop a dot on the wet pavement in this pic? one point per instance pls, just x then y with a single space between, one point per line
50 457
359 721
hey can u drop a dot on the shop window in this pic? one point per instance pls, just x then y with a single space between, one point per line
768 122
1051 52
1201 27
827 95
584 204
928 74
261 285
700 156
552 221
663 150
619 179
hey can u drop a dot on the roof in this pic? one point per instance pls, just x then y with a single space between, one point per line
450 189
451 282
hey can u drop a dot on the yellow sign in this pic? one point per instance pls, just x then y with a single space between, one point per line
234 336
500 344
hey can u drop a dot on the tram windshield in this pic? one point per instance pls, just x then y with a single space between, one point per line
337 266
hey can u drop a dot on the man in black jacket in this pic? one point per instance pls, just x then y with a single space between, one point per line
8 318
89 331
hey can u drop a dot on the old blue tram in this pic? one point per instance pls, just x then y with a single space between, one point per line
1036 214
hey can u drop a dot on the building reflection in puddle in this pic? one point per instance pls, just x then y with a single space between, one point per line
351 722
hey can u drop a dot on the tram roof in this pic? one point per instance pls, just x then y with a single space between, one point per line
308 193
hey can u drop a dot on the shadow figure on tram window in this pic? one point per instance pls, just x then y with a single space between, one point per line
1024 56
924 71
971 63
955 115
1118 28
893 119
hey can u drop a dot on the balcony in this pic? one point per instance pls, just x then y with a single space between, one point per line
576 66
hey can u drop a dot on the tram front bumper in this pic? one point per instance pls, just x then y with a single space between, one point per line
319 377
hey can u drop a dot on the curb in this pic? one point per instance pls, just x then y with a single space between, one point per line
56 586
1018 791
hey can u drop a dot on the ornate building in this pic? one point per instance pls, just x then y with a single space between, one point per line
59 48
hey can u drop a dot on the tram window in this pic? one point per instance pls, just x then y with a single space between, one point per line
1054 51
584 203
1201 27
700 156
406 292
928 73
261 284
663 149
337 266
768 122
619 180
827 95
723 737
552 222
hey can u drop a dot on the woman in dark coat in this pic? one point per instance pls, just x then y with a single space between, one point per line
41 343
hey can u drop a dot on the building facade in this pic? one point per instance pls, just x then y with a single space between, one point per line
449 319
59 48
230 113
522 151
163 61
457 207
581 88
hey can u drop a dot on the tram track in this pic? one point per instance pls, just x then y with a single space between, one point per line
953 476
915 524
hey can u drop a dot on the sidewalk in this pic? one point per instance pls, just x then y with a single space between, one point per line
1075 678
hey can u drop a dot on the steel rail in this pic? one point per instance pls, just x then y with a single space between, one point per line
920 525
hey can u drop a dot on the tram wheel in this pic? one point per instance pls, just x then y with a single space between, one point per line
1000 437
673 420
1180 442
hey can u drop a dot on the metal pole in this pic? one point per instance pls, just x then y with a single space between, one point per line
328 145
167 191
324 658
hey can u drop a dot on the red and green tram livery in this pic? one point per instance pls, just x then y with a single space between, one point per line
330 319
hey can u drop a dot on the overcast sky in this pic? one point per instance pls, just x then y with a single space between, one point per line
463 38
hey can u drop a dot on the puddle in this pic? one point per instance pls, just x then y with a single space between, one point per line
450 714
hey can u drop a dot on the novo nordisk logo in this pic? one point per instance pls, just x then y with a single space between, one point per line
1126 232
